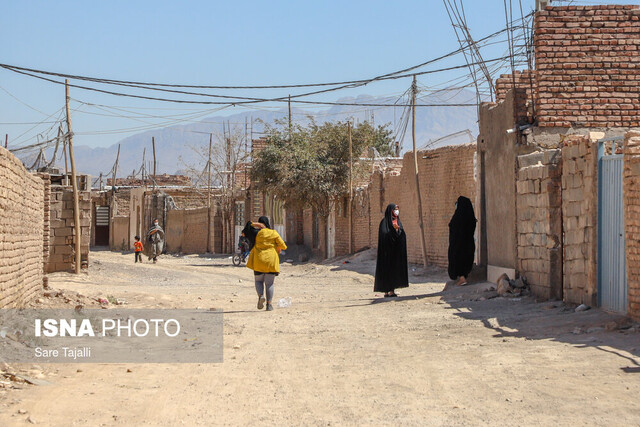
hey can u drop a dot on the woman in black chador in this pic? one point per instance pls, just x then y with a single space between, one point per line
391 267
461 244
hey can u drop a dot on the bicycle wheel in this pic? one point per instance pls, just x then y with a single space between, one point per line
237 259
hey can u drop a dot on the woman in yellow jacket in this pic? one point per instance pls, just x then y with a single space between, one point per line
264 260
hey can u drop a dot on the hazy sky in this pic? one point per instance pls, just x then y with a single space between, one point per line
215 43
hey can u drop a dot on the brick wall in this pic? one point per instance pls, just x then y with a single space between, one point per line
445 173
22 225
525 89
631 186
579 218
62 229
588 66
539 222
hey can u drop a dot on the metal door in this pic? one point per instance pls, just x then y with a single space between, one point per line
612 273
102 226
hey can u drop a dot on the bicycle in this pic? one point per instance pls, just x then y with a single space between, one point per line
240 257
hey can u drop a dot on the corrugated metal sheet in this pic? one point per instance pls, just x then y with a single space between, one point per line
102 215
612 275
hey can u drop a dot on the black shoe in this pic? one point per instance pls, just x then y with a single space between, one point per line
269 307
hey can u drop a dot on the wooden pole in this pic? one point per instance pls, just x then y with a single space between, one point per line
100 181
6 140
65 181
115 171
414 90
153 144
74 184
289 117
350 189
209 195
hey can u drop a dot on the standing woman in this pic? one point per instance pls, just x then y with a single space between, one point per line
264 260
462 247
391 266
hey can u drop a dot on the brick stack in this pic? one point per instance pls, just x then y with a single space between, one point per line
539 222
46 179
631 186
579 214
21 232
62 229
588 66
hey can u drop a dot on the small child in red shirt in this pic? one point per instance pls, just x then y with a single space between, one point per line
137 247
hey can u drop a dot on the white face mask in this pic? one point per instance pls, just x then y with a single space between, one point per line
396 212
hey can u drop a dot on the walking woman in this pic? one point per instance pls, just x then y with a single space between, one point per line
264 261
462 247
391 266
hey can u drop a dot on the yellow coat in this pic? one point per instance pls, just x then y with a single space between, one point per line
264 255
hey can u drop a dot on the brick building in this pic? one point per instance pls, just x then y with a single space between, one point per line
567 113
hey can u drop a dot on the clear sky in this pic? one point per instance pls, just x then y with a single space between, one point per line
216 43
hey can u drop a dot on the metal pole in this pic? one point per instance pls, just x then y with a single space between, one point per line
74 184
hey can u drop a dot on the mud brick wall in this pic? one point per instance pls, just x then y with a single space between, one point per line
588 66
62 229
186 231
361 223
444 173
579 220
539 222
46 235
631 185
525 89
21 232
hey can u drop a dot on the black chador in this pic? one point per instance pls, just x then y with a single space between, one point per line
461 244
391 266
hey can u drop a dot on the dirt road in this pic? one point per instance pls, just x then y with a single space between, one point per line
341 355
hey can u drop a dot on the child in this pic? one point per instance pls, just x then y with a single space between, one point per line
137 247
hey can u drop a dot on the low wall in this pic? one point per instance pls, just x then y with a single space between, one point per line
22 225
186 231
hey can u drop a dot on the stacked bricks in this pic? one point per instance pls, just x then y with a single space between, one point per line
579 219
631 185
588 66
525 88
21 232
62 229
539 222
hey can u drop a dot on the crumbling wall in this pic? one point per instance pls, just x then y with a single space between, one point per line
524 94
62 229
22 225
579 219
539 222
587 64
631 186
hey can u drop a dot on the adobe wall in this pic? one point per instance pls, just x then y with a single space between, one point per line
22 225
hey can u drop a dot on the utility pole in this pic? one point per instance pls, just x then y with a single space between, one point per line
209 195
100 181
74 184
6 140
115 171
350 189
414 90
144 151
153 143
65 181
289 117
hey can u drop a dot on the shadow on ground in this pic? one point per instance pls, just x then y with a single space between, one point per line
523 317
